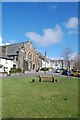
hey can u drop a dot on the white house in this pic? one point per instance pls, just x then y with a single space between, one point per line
6 64
45 64
48 64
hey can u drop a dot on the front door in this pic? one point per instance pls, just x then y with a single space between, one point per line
26 66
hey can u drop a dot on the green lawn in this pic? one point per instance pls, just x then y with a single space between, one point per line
0 98
23 99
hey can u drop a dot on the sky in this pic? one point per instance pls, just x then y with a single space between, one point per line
40 0
51 26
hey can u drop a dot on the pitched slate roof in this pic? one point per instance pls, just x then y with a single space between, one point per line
13 48
5 57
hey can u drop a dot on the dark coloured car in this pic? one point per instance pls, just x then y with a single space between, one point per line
69 73
66 72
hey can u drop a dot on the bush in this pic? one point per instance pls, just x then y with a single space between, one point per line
61 71
15 70
44 69
18 70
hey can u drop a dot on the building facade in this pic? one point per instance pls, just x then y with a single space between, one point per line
5 65
24 56
59 64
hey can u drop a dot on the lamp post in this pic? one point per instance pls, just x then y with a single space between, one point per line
45 61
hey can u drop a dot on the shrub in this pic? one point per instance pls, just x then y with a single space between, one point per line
61 71
18 70
44 69
15 70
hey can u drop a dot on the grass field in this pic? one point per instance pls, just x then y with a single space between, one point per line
0 99
23 99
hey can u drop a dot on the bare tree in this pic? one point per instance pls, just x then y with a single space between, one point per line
66 54
76 62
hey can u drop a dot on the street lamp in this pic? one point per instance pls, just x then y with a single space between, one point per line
45 61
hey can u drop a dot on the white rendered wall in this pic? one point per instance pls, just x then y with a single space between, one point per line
8 64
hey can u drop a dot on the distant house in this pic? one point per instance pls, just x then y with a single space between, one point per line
6 64
59 64
46 63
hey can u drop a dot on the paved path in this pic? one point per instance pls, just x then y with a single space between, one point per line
29 74
35 74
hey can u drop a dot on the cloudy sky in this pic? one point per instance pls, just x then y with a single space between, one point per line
51 26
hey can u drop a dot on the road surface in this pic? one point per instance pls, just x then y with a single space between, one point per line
34 74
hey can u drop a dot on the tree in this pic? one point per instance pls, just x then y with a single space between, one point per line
76 62
66 54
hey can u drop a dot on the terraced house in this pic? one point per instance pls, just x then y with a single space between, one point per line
24 56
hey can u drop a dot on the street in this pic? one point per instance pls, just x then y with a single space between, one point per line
34 74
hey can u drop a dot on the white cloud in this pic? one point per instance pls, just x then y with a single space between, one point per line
50 36
73 32
72 23
74 55
57 58
1 40
11 41
7 43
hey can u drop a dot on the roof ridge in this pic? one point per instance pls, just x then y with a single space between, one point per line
14 43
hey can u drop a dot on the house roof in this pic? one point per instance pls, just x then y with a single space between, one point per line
13 48
5 57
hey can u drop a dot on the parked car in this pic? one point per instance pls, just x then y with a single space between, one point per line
76 73
57 70
66 72
69 73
